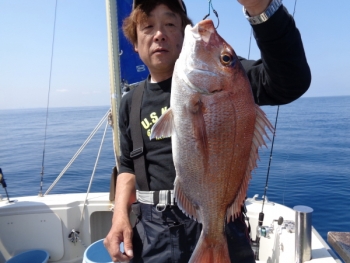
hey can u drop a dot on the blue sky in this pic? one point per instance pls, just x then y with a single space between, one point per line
80 64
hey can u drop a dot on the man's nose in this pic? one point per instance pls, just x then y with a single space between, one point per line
160 35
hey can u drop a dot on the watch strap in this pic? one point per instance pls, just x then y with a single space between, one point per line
264 16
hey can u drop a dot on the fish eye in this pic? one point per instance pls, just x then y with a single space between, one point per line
226 59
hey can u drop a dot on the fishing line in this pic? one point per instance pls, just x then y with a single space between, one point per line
256 242
284 178
214 11
48 102
295 4
250 42
272 143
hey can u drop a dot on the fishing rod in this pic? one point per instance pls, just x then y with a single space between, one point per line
4 185
256 242
272 144
48 103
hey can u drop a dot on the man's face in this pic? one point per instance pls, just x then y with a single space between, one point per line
159 40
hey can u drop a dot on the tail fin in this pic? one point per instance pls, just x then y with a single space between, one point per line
210 252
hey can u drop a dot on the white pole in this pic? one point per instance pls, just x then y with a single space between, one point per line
114 72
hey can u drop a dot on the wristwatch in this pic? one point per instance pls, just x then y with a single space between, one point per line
264 16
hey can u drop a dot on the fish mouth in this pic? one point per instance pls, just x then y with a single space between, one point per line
203 30
197 71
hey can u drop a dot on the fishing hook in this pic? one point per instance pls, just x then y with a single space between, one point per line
214 11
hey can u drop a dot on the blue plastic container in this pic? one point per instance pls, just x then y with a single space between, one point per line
32 256
97 253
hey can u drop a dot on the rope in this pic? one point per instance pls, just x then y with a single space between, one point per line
48 102
93 172
78 152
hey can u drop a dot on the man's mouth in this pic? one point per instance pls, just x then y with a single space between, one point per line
160 50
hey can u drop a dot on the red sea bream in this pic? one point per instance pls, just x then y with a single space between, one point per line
216 130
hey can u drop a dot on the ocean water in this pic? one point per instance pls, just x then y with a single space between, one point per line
310 162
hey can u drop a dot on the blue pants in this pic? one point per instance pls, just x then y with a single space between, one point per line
170 236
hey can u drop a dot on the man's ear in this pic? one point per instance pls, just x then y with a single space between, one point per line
136 49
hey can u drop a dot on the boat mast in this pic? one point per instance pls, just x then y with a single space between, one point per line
114 72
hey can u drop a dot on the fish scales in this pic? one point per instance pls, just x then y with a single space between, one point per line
216 131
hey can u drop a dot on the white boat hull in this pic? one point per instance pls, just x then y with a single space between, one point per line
47 223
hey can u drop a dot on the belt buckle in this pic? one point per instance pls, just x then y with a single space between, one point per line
164 200
161 207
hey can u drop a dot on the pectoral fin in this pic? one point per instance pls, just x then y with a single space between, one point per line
164 126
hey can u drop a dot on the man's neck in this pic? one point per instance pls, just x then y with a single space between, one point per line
155 78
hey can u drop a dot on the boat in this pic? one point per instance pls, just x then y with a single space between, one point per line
67 225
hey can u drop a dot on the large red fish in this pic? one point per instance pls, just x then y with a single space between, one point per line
216 131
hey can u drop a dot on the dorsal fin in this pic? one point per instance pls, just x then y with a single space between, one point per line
261 123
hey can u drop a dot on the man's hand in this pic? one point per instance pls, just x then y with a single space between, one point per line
255 7
121 231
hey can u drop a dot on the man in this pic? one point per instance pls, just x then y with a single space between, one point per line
156 30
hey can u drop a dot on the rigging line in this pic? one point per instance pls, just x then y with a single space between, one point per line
93 172
48 102
78 152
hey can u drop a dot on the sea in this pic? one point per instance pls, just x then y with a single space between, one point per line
309 164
